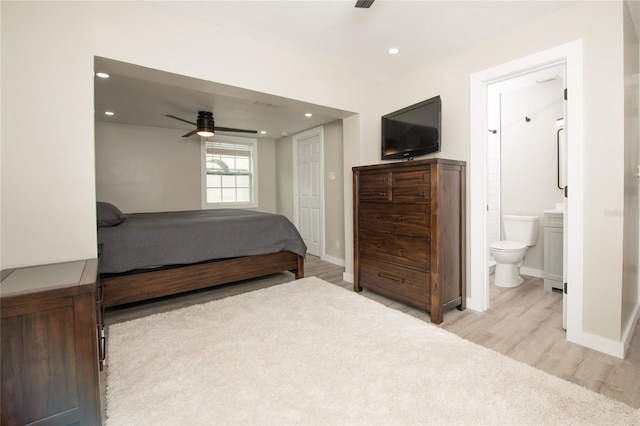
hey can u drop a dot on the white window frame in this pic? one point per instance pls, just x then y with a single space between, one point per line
254 173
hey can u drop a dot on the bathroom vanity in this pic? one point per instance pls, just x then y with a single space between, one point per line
553 249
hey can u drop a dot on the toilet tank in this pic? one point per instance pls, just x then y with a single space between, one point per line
521 228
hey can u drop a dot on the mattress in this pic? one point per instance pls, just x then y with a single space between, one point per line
152 240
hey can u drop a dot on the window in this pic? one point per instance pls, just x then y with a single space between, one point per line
229 172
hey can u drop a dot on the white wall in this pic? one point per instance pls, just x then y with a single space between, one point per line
448 76
57 222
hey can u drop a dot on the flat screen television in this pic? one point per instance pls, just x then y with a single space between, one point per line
412 131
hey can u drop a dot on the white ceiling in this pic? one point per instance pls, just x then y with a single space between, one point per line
335 32
144 96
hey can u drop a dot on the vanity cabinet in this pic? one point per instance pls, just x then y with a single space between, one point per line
553 250
409 233
50 353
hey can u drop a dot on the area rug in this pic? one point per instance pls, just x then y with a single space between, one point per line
312 353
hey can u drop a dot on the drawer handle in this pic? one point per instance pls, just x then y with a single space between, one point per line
365 194
401 250
400 218
382 179
400 179
389 277
379 216
397 194
102 348
379 245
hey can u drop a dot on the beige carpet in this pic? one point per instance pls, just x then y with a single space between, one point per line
308 352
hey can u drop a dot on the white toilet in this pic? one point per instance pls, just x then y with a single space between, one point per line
520 233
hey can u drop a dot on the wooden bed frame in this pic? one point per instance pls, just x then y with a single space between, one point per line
121 289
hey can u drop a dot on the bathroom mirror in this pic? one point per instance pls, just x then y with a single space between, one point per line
562 158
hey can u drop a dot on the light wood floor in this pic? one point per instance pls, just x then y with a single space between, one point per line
524 323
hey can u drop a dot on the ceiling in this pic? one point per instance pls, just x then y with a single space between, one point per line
144 96
334 32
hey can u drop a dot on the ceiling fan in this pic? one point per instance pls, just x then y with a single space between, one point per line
205 125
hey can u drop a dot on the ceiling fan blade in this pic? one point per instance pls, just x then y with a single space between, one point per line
181 119
230 129
364 3
191 133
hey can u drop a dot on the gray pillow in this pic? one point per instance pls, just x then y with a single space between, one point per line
108 215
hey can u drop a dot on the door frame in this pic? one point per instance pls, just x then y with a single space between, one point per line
478 290
316 131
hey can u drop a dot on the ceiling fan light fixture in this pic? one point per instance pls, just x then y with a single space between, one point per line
205 124
205 134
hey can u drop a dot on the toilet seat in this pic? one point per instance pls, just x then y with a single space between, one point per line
507 246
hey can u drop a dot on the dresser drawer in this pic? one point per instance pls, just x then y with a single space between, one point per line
402 249
398 282
374 186
410 219
412 187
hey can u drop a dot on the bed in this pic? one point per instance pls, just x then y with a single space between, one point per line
149 255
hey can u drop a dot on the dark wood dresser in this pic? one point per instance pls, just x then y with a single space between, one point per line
409 233
50 328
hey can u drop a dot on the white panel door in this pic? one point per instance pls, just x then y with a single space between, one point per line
309 192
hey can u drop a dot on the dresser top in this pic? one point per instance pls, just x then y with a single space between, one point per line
39 278
409 164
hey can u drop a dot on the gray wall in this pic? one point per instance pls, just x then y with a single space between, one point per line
148 169
284 176
333 190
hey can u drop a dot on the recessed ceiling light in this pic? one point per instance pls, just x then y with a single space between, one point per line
108 113
263 132
102 75
308 114
393 50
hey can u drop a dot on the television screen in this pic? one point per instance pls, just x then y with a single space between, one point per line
412 131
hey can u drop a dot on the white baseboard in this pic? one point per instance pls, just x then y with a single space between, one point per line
601 344
334 260
347 277
532 272
474 304
630 328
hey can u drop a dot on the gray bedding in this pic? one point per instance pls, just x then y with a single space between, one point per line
148 240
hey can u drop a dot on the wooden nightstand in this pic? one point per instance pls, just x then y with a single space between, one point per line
50 354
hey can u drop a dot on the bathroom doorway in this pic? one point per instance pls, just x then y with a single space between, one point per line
524 114
568 56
